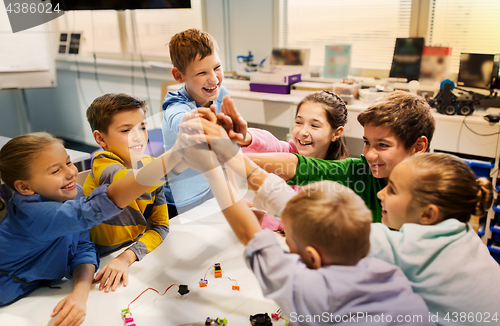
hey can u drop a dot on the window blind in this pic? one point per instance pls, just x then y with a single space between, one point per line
154 28
371 27
465 26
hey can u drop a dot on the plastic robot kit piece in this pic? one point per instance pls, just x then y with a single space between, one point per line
236 288
127 317
217 271
216 321
261 320
203 283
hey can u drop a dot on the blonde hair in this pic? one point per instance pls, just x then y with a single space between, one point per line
449 183
332 219
18 154
407 115
186 46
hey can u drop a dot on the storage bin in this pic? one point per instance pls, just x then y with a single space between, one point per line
480 169
495 230
494 248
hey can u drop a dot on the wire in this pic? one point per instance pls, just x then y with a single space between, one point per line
492 134
93 50
236 282
205 277
152 290
79 78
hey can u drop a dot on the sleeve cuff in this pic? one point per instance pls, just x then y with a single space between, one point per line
273 194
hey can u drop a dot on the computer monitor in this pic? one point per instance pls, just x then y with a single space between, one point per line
290 60
477 69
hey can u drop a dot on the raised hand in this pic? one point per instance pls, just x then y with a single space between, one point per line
232 121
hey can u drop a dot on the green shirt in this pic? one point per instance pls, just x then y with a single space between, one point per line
354 173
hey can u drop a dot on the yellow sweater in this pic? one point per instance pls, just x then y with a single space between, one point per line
131 224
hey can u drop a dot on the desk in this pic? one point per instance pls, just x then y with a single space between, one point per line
76 157
198 239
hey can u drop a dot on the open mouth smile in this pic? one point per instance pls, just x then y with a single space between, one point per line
70 186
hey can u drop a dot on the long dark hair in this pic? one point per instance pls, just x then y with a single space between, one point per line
336 114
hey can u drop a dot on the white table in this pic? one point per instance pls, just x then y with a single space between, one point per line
76 157
198 239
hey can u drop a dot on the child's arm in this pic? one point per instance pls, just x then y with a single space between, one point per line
238 214
281 164
125 190
116 271
72 309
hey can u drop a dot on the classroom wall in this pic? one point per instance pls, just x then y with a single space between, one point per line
61 110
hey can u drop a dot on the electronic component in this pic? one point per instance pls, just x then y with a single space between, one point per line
216 321
203 283
127 317
217 271
183 289
261 320
236 288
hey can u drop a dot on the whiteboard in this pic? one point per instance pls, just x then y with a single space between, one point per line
26 60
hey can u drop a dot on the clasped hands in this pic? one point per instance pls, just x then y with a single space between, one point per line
207 139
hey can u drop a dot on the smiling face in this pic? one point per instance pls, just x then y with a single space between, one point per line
383 150
312 134
203 78
396 198
126 137
53 176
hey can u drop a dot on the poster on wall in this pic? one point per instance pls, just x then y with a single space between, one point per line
337 61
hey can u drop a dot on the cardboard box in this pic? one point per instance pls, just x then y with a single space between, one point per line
274 78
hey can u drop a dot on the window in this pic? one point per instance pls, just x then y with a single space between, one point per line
465 26
132 32
371 27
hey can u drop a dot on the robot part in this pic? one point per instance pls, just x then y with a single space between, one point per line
127 317
216 321
450 101
203 283
183 289
261 320
217 271
236 288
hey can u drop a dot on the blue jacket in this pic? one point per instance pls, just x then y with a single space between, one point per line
189 186
41 240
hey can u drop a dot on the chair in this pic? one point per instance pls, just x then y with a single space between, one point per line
80 178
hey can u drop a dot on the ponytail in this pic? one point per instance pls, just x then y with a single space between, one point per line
484 196
449 183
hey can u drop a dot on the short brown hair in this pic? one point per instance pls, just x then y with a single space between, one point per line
449 183
407 115
100 113
186 46
19 153
332 219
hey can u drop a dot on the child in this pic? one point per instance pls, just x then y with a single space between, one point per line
328 271
195 57
117 122
317 132
396 127
44 233
430 198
